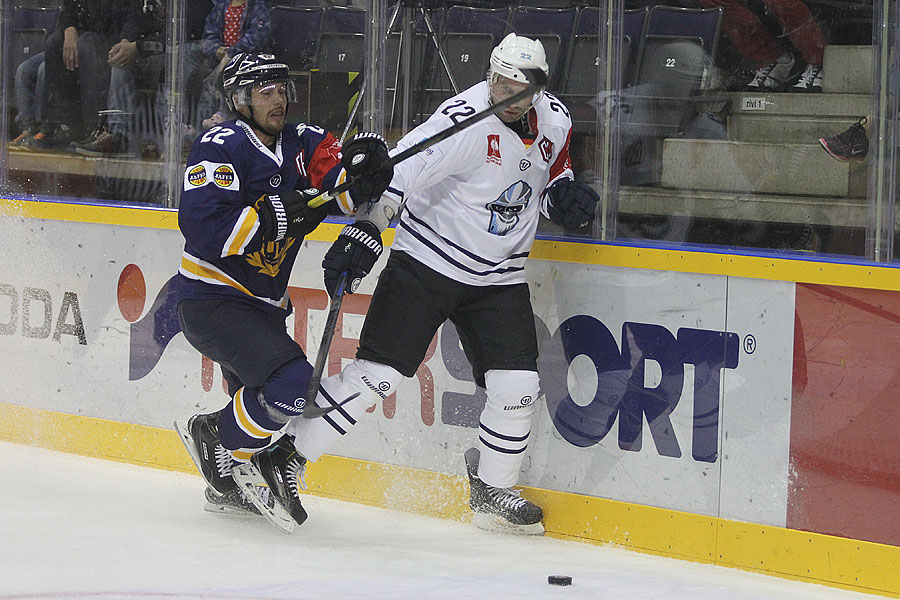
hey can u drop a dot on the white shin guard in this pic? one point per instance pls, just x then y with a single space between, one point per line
373 381
505 425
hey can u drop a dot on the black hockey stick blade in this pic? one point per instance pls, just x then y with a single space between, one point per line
537 79
311 410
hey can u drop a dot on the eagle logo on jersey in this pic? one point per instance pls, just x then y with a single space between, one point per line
506 208
270 257
493 149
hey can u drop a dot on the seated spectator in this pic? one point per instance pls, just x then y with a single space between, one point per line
30 97
138 56
851 145
77 75
232 26
138 62
776 69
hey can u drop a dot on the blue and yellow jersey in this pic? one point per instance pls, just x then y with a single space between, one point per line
228 170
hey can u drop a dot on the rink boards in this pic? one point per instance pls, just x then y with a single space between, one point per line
729 409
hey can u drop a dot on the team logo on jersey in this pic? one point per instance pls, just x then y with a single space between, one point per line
524 164
505 209
223 176
275 180
268 260
493 149
546 148
196 175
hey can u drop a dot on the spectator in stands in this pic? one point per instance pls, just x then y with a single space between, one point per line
232 27
137 62
776 69
30 97
77 75
851 145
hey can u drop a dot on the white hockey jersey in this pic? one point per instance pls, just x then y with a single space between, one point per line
472 201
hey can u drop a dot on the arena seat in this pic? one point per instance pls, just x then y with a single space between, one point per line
295 35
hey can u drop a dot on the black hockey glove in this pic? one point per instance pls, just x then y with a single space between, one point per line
572 204
367 153
355 250
287 214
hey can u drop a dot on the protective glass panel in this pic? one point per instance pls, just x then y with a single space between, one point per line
748 127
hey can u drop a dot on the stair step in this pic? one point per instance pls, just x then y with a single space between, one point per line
802 118
803 210
847 70
759 168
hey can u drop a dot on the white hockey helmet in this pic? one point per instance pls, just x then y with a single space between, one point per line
515 53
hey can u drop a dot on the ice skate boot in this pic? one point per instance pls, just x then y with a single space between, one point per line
200 436
500 509
232 503
279 470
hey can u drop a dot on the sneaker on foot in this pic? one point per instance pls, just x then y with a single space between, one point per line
50 137
851 145
771 77
200 436
500 509
810 80
29 128
105 143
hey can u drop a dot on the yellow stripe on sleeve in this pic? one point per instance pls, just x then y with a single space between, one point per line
344 201
243 230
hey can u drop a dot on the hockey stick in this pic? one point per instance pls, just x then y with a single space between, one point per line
536 79
313 410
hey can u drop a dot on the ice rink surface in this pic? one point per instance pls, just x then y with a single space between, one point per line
73 527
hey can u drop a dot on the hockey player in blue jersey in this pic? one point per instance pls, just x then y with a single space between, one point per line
244 214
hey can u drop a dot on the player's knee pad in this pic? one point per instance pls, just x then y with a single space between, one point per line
512 394
283 395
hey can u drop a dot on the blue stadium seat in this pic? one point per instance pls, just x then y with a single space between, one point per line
554 28
295 34
33 17
464 19
339 19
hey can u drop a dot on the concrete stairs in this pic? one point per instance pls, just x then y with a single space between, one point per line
771 168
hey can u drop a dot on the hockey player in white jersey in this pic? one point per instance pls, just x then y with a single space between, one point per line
471 205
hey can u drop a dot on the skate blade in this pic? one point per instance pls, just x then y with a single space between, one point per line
181 428
248 479
221 509
496 524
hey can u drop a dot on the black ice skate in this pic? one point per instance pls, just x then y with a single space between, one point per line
279 471
232 503
500 509
201 438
